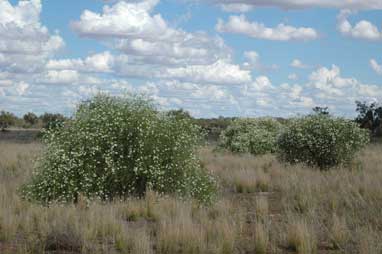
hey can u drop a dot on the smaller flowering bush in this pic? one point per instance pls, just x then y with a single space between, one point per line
116 147
255 136
321 140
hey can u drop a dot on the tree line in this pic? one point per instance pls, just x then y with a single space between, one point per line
30 120
369 116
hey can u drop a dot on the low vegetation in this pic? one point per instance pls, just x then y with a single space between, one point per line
122 177
297 209
254 136
321 140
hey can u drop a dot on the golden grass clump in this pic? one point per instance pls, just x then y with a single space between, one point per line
262 207
339 232
301 237
261 238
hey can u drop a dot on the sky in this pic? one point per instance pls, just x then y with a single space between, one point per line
212 58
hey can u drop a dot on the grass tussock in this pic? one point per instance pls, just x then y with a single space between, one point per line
261 238
301 237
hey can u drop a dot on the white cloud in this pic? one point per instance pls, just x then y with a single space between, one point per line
253 62
191 48
304 4
261 83
131 28
362 30
252 56
325 86
329 82
61 77
237 7
330 86
220 72
253 59
102 62
293 76
66 77
15 89
125 20
212 92
240 25
22 88
297 63
24 43
376 66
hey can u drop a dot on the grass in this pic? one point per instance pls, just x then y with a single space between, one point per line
261 238
301 238
262 207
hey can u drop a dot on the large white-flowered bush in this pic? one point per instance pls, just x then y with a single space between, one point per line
115 147
321 140
250 135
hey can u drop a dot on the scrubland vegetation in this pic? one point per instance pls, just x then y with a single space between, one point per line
121 177
262 206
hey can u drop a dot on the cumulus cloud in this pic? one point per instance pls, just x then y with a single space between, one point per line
24 43
330 86
325 86
133 29
376 66
15 89
282 32
297 63
293 76
66 77
220 72
304 4
101 62
125 20
261 83
361 30
253 61
236 7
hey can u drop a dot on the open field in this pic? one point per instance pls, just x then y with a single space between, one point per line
262 207
20 135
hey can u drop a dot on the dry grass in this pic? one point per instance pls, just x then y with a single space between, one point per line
339 232
263 207
261 238
301 237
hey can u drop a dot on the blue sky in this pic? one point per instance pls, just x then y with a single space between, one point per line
210 57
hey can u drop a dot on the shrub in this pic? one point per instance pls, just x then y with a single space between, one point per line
6 119
255 136
116 147
321 140
52 121
30 119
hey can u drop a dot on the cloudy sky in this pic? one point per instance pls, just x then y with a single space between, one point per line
210 57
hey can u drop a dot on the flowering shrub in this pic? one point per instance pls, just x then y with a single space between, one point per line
321 140
255 136
116 147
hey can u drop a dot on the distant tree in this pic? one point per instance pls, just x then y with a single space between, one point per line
6 119
369 116
213 127
51 121
30 118
179 114
321 110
